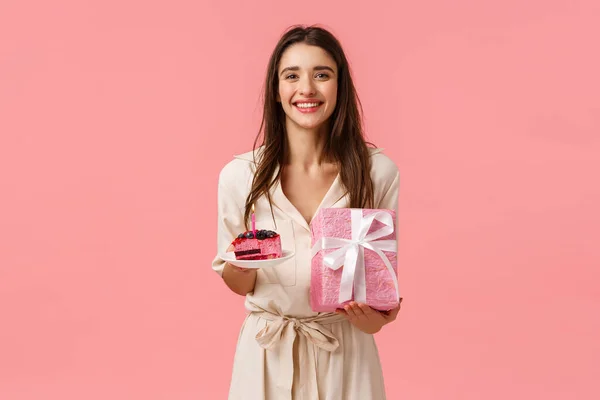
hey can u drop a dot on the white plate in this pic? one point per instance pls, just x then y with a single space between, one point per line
230 258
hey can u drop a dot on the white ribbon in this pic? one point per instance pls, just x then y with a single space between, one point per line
350 253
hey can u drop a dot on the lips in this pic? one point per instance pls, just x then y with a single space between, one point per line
308 106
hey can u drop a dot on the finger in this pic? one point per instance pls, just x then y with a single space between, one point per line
357 310
364 313
240 269
341 311
350 311
230 248
360 315
366 310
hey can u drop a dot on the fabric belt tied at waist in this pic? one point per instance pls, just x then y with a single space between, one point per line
282 331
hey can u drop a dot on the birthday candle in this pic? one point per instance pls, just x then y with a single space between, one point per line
253 222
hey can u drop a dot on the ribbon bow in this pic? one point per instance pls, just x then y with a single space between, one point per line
350 253
284 331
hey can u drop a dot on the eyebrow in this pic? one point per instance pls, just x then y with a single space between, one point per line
317 68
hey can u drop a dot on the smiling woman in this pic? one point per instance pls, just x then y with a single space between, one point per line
313 155
307 88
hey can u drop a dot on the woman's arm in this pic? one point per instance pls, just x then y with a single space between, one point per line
362 316
230 222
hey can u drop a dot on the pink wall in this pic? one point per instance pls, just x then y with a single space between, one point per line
116 116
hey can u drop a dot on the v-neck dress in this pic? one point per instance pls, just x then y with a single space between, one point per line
285 350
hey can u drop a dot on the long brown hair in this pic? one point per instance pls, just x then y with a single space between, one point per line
345 144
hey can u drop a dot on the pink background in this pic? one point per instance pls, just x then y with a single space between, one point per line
116 117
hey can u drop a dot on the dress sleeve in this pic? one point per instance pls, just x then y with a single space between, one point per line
390 198
230 221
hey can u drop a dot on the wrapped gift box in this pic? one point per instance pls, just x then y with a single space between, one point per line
354 257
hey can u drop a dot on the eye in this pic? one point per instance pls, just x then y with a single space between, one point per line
322 75
291 76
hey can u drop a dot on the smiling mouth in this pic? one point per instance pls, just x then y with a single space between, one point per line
308 107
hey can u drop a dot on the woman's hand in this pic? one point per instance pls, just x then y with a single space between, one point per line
366 318
239 280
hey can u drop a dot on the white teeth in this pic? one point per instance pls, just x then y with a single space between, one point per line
307 105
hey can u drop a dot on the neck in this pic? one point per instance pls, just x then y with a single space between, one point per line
305 146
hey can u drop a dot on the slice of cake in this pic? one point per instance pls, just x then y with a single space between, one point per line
266 245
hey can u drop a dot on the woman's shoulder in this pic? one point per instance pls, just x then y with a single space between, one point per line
385 176
239 168
383 168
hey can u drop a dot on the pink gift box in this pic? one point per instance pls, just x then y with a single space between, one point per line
380 280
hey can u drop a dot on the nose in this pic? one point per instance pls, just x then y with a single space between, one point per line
307 87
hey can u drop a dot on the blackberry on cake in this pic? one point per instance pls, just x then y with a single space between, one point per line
266 245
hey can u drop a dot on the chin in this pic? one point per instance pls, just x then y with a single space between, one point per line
309 124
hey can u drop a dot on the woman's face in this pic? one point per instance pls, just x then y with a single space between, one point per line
307 85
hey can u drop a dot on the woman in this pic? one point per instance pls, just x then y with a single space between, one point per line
313 156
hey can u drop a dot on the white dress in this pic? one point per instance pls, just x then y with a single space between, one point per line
285 350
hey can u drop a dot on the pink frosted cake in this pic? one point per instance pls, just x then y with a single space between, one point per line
266 245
